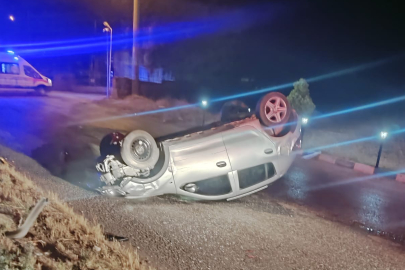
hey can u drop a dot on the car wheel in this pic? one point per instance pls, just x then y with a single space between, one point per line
41 90
139 150
273 109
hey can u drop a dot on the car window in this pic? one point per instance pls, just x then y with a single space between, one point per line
10 68
215 186
30 72
254 175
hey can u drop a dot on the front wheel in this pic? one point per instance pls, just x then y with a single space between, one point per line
42 90
139 150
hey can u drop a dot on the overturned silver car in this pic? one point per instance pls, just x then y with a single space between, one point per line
220 161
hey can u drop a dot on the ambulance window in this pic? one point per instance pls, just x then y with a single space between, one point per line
30 72
9 68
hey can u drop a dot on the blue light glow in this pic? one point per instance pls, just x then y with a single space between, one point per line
160 34
319 78
342 143
138 114
370 138
357 179
10 52
363 107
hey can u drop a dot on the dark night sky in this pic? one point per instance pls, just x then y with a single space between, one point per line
304 39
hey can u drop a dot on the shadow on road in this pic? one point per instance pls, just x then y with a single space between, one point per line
72 154
20 94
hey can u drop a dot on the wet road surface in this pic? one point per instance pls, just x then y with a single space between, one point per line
24 120
378 203
344 194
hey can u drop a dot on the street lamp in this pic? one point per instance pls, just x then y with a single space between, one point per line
383 136
204 104
109 56
11 17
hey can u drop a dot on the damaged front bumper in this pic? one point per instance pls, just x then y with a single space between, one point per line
121 184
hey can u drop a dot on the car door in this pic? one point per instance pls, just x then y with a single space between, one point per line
201 168
251 153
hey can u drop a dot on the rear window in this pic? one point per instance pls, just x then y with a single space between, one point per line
9 68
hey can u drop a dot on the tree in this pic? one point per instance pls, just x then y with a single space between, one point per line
300 99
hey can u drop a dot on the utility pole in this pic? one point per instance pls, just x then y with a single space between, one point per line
109 57
135 68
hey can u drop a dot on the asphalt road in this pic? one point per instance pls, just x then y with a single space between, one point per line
27 118
344 195
222 235
377 203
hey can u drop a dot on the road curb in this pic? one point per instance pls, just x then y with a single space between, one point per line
327 158
345 163
400 178
367 169
360 167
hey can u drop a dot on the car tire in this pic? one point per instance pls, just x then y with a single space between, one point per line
273 109
139 150
41 90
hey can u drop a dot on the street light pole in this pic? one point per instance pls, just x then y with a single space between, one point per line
379 154
135 25
109 57
383 136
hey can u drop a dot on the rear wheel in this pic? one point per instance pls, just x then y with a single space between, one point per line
273 109
139 150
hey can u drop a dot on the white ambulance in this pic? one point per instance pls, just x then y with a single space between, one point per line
15 72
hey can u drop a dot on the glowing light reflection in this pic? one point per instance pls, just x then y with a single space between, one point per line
357 179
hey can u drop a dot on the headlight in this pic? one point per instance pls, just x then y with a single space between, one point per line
49 80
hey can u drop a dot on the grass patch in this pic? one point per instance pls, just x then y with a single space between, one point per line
59 239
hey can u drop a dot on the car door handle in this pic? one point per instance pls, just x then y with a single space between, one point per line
221 164
268 151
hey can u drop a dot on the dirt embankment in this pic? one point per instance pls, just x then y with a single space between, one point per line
59 239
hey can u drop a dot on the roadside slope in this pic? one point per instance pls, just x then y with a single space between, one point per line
58 239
